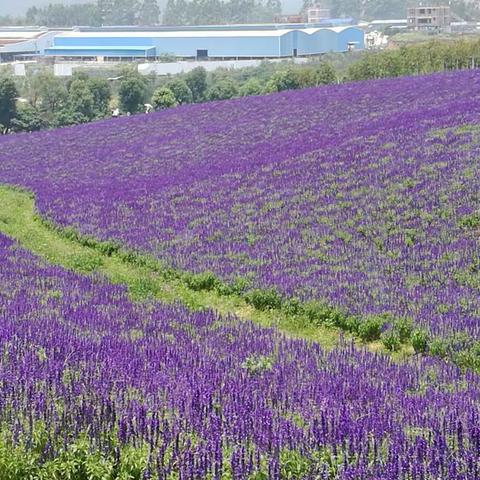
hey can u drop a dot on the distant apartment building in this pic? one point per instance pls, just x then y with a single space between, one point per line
429 18
317 13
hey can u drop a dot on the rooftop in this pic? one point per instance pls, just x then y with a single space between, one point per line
193 34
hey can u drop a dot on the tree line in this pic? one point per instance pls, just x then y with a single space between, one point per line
48 101
147 12
196 12
43 101
422 58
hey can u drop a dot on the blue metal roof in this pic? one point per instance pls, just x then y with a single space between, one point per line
101 51
98 47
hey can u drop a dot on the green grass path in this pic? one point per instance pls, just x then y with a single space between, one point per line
19 221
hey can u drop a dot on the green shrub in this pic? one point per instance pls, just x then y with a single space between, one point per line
201 281
348 323
87 262
419 340
391 340
403 327
470 221
264 299
370 329
238 287
292 306
438 348
319 313
143 287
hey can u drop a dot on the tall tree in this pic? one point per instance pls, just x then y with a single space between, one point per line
180 90
197 82
132 93
81 100
163 98
102 94
148 13
8 95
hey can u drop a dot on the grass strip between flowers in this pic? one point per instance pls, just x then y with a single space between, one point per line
146 277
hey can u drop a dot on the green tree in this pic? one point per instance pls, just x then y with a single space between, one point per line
180 90
283 80
58 15
197 82
306 77
8 95
171 13
132 93
252 86
28 119
163 98
325 74
222 90
81 101
148 13
102 95
49 92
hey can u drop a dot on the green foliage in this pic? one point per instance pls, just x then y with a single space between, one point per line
391 340
403 327
143 287
102 93
223 89
238 287
59 15
148 12
252 86
87 262
163 98
81 100
425 57
49 91
470 222
257 364
264 299
8 95
132 93
197 82
438 348
314 75
419 339
283 80
206 12
180 90
28 119
370 328
292 306
79 461
319 313
201 281
325 74
293 465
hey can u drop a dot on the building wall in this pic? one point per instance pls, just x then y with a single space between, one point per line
429 18
102 52
220 47
350 34
322 41
305 42
103 41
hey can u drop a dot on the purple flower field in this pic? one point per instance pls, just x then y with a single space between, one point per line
364 195
210 397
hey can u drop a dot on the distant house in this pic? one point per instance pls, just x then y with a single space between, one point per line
429 18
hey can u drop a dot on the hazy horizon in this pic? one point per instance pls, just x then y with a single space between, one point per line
20 7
